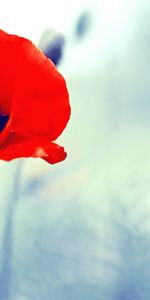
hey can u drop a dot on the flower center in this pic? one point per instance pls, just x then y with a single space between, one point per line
3 121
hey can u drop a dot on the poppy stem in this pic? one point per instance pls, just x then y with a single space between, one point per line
8 239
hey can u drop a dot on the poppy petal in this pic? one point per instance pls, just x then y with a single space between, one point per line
41 100
22 147
34 102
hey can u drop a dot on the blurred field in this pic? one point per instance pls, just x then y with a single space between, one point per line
80 230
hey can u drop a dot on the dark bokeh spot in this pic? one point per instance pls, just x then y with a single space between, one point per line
3 121
54 50
82 25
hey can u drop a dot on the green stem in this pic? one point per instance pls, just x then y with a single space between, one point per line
7 247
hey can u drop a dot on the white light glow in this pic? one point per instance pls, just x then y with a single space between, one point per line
30 18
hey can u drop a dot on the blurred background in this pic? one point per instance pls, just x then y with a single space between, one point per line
80 229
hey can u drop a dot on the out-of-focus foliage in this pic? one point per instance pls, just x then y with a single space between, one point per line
52 44
83 24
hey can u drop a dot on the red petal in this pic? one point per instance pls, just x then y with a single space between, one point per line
40 100
34 93
31 88
17 146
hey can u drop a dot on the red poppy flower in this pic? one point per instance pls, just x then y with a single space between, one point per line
34 102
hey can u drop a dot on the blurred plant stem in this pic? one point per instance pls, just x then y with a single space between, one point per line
8 239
